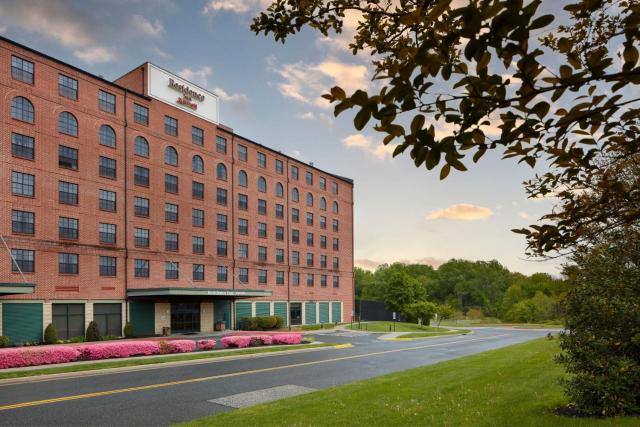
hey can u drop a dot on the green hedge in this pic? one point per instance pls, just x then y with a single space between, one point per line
260 323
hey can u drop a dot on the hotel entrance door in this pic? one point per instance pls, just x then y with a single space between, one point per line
185 317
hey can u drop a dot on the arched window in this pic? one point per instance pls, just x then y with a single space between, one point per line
197 165
323 203
171 156
22 109
242 179
221 171
295 196
262 185
335 207
107 136
279 190
309 199
67 123
141 146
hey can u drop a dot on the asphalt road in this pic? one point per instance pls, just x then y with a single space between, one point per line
163 396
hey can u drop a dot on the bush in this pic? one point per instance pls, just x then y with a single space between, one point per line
93 334
287 338
206 344
128 330
420 311
50 334
177 346
4 341
260 323
237 341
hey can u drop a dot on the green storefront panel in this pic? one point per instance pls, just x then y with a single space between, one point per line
263 309
324 312
310 313
336 312
243 309
22 322
280 309
143 318
222 313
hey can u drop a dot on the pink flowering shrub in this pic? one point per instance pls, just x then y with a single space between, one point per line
261 340
207 344
177 346
32 356
117 349
286 339
238 341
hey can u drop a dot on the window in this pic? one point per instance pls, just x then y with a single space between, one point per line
141 268
140 114
309 199
107 200
243 251
67 157
243 275
295 195
109 318
323 242
294 173
197 217
21 69
221 222
67 193
309 259
171 270
295 258
222 274
67 124
323 261
68 228
68 320
107 233
23 184
221 145
323 222
106 101
336 281
309 218
279 190
171 241
295 236
141 237
107 136
107 167
141 206
310 280
23 260
309 178
221 248
22 146
170 156
334 187
279 232
335 225
262 253
335 207
323 280
170 126
221 172
107 266
197 244
295 279
279 211
262 207
67 263
23 222
170 212
243 202
309 239
279 166
170 183
197 165
22 109
323 183
243 226
242 153
262 160
67 87
262 229
197 135
323 203
221 196
279 255
141 147
336 263
243 181
197 190
141 176
295 215
262 185
335 244
198 271
262 277
279 277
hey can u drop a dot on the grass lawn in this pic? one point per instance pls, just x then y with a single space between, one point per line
400 327
413 335
153 360
512 386
478 322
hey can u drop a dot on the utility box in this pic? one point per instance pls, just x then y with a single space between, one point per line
166 331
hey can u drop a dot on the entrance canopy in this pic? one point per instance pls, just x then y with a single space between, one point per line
202 292
16 288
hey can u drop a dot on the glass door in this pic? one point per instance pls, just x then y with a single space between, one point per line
295 312
185 317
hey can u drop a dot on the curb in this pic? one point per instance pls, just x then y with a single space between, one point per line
399 338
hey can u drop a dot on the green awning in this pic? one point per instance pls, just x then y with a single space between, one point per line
16 288
203 292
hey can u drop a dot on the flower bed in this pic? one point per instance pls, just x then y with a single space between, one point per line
243 341
207 344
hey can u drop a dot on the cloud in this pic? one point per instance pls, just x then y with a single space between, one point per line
199 76
96 54
151 29
234 6
524 215
237 101
308 115
369 264
461 212
366 143
340 42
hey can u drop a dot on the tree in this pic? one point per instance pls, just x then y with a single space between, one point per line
420 312
402 290
50 334
458 78
444 312
93 333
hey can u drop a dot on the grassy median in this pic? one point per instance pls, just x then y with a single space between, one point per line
512 386
389 327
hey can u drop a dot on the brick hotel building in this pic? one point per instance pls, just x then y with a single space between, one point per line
129 201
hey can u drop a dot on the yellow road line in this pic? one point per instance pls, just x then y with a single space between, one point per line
339 346
233 374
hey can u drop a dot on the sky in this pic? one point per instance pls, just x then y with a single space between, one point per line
270 93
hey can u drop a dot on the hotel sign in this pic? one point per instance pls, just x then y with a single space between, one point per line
182 94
